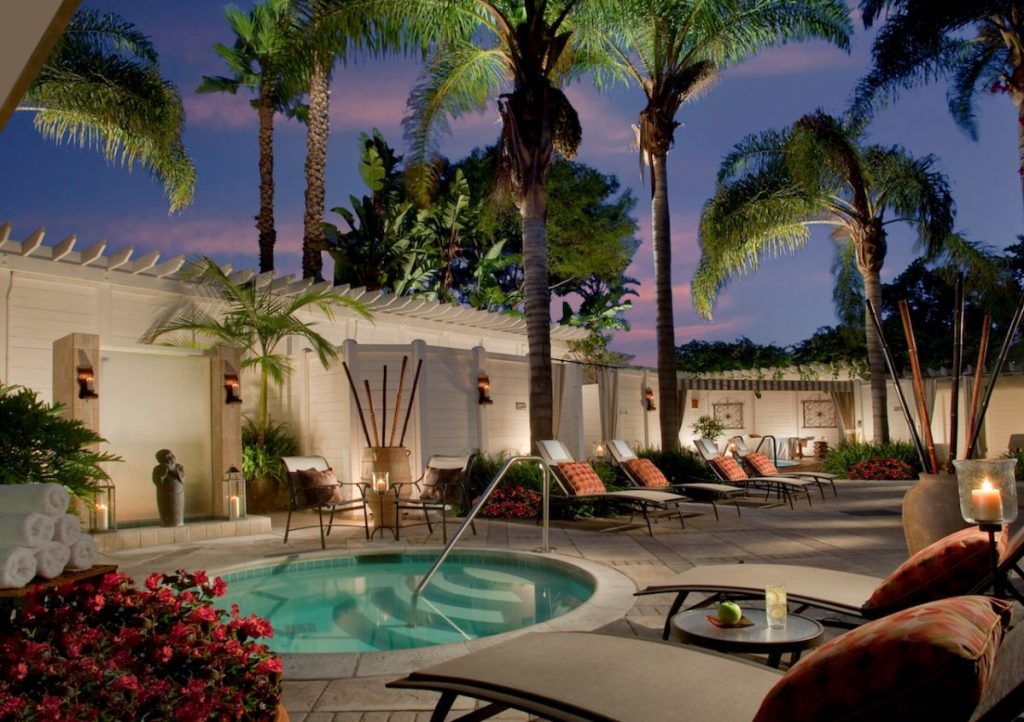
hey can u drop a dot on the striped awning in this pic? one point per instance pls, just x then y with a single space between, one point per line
704 384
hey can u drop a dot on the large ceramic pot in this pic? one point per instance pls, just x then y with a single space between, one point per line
392 459
260 494
931 511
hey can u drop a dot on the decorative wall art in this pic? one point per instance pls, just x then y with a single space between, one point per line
730 415
819 414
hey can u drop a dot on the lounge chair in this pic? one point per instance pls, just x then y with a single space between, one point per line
578 481
643 474
901 669
958 564
442 485
761 465
728 471
310 488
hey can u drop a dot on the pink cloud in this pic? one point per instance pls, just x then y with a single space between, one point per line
220 110
794 59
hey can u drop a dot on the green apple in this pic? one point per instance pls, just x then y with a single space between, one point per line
729 612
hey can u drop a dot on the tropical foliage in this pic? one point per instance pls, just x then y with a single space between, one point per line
708 427
847 454
101 88
881 469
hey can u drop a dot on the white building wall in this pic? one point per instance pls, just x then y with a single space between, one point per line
508 418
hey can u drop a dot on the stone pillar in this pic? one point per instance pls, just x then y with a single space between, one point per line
225 420
77 356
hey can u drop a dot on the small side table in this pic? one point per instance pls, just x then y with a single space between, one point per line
691 627
385 516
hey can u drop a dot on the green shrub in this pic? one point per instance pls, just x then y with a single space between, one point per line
265 459
676 465
708 427
849 453
1019 456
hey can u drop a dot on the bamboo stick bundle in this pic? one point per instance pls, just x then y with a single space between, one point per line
997 369
412 397
398 400
915 370
359 406
979 371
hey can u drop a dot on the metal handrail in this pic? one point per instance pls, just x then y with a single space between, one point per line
545 502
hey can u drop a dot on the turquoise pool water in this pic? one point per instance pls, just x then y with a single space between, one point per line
363 603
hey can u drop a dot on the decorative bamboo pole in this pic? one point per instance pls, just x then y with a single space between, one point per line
398 400
412 397
384 405
915 370
958 363
979 371
359 406
373 415
998 369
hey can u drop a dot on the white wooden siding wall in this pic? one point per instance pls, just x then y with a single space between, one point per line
326 427
1004 415
450 409
570 426
631 407
508 428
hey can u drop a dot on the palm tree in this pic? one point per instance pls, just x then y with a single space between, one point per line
254 319
978 44
521 47
101 87
674 50
775 186
258 61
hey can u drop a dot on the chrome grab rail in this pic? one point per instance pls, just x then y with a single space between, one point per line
545 503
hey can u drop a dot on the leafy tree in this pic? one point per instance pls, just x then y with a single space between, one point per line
254 319
711 356
674 50
978 45
101 87
774 186
258 62
837 347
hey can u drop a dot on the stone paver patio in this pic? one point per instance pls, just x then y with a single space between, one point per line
859 531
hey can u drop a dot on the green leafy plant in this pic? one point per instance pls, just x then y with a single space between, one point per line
264 459
1019 456
846 454
38 444
676 465
708 427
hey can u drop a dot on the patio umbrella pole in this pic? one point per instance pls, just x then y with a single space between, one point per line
972 409
398 400
915 370
412 397
384 405
887 353
359 406
958 362
1000 362
373 415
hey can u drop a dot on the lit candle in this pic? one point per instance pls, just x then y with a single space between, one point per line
599 450
235 507
987 502
102 517
382 486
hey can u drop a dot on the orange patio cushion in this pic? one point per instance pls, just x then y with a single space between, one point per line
646 473
761 464
319 487
582 478
728 468
932 661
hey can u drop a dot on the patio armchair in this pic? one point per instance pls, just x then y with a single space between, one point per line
728 471
761 465
578 481
960 563
441 486
898 668
312 485
643 474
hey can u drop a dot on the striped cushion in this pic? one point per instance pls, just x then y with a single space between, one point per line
953 565
646 473
582 478
932 661
728 468
761 464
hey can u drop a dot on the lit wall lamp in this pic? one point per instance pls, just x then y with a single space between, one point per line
649 399
232 389
86 383
483 389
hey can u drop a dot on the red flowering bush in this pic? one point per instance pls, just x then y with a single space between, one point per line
879 468
106 651
513 502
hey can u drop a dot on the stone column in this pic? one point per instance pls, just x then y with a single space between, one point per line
76 356
225 421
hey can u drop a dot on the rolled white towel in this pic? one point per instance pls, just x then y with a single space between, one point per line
17 567
83 554
51 559
67 529
49 499
30 529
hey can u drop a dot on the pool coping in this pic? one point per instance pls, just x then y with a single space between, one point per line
612 598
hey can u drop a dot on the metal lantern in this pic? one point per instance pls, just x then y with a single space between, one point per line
233 494
103 510
988 490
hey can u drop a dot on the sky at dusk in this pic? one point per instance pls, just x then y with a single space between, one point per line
68 190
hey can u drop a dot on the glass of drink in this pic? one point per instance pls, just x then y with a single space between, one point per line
775 605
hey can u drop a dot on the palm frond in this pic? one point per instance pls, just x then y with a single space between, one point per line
848 287
917 191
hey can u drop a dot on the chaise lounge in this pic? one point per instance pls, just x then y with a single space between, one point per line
728 471
763 466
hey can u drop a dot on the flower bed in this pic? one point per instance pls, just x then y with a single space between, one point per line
105 650
513 502
879 468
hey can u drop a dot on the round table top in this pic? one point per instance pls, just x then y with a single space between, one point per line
800 633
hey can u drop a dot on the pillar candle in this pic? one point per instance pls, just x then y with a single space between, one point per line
236 507
102 517
987 503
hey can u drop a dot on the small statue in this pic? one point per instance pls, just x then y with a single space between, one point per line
169 479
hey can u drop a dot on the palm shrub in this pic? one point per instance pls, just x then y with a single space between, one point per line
38 444
847 454
264 458
708 427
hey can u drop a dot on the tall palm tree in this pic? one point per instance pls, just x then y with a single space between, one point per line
978 45
674 50
521 47
101 87
258 61
253 318
775 186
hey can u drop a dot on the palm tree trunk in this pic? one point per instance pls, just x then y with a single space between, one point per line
265 218
668 409
876 361
533 207
261 409
316 160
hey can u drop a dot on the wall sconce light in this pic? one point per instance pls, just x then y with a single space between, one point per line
649 399
483 388
86 383
232 389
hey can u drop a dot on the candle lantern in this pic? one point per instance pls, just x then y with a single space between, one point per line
233 494
988 490
381 481
599 449
102 512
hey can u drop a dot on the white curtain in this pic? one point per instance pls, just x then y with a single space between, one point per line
843 401
608 399
557 389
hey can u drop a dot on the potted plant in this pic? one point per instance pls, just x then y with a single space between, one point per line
708 427
105 650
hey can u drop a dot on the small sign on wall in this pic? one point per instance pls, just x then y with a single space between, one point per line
520 406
